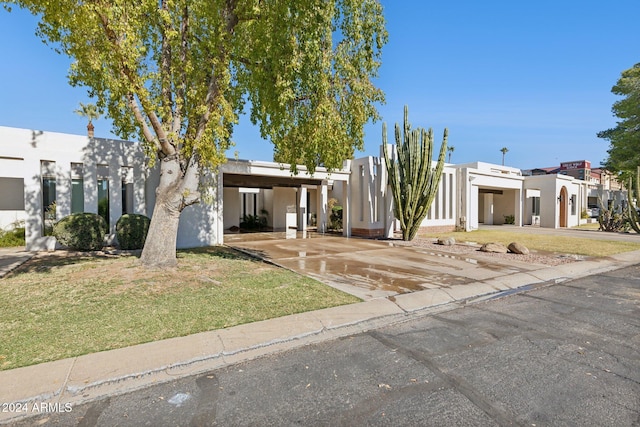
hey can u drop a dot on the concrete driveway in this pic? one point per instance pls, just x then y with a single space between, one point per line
372 269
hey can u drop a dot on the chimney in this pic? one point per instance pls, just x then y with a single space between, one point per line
90 130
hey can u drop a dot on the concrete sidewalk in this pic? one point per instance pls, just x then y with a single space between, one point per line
12 258
26 391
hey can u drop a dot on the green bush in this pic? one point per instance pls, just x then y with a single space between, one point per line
131 231
11 238
335 219
509 219
81 231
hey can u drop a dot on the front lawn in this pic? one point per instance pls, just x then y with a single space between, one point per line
60 305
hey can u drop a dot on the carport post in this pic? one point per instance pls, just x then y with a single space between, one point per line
302 208
323 196
346 209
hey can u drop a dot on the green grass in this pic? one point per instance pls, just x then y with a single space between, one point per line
58 307
544 242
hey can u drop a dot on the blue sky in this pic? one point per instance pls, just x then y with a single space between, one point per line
534 77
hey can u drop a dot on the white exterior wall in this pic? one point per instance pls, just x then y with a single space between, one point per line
231 215
201 224
30 148
367 207
444 208
282 197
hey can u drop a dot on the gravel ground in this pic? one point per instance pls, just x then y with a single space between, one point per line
536 257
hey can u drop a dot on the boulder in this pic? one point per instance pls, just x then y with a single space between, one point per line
494 247
518 248
446 241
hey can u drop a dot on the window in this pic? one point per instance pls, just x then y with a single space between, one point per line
103 199
47 171
77 188
126 177
535 206
49 197
127 197
12 194
573 204
103 192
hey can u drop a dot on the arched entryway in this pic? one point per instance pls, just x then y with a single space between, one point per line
564 201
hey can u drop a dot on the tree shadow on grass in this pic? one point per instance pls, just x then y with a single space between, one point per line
45 262
224 252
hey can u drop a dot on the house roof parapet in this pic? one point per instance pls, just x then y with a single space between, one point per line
264 168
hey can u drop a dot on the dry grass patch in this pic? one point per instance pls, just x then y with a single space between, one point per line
59 306
542 242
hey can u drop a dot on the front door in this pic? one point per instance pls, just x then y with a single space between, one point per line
564 200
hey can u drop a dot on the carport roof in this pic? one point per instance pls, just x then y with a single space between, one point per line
256 181
259 174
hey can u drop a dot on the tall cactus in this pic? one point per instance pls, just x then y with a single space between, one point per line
632 208
413 180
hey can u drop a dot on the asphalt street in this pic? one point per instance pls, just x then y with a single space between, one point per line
560 355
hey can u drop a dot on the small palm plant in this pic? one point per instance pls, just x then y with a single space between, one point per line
90 111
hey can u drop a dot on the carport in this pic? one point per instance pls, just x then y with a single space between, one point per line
489 193
287 202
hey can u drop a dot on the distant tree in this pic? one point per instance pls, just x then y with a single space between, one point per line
450 149
177 74
504 150
624 139
412 178
90 111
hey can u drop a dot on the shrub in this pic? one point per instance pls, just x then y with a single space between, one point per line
131 231
584 214
509 219
336 218
81 231
13 237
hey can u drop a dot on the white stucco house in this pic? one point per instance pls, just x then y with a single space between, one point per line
45 176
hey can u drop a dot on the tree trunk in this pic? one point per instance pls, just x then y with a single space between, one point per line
160 247
175 191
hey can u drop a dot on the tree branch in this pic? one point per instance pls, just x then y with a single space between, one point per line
165 70
133 104
181 88
165 146
214 91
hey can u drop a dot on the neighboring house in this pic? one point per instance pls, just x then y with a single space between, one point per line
45 176
602 185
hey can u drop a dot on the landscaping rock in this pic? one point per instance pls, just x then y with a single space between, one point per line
446 241
518 248
494 247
